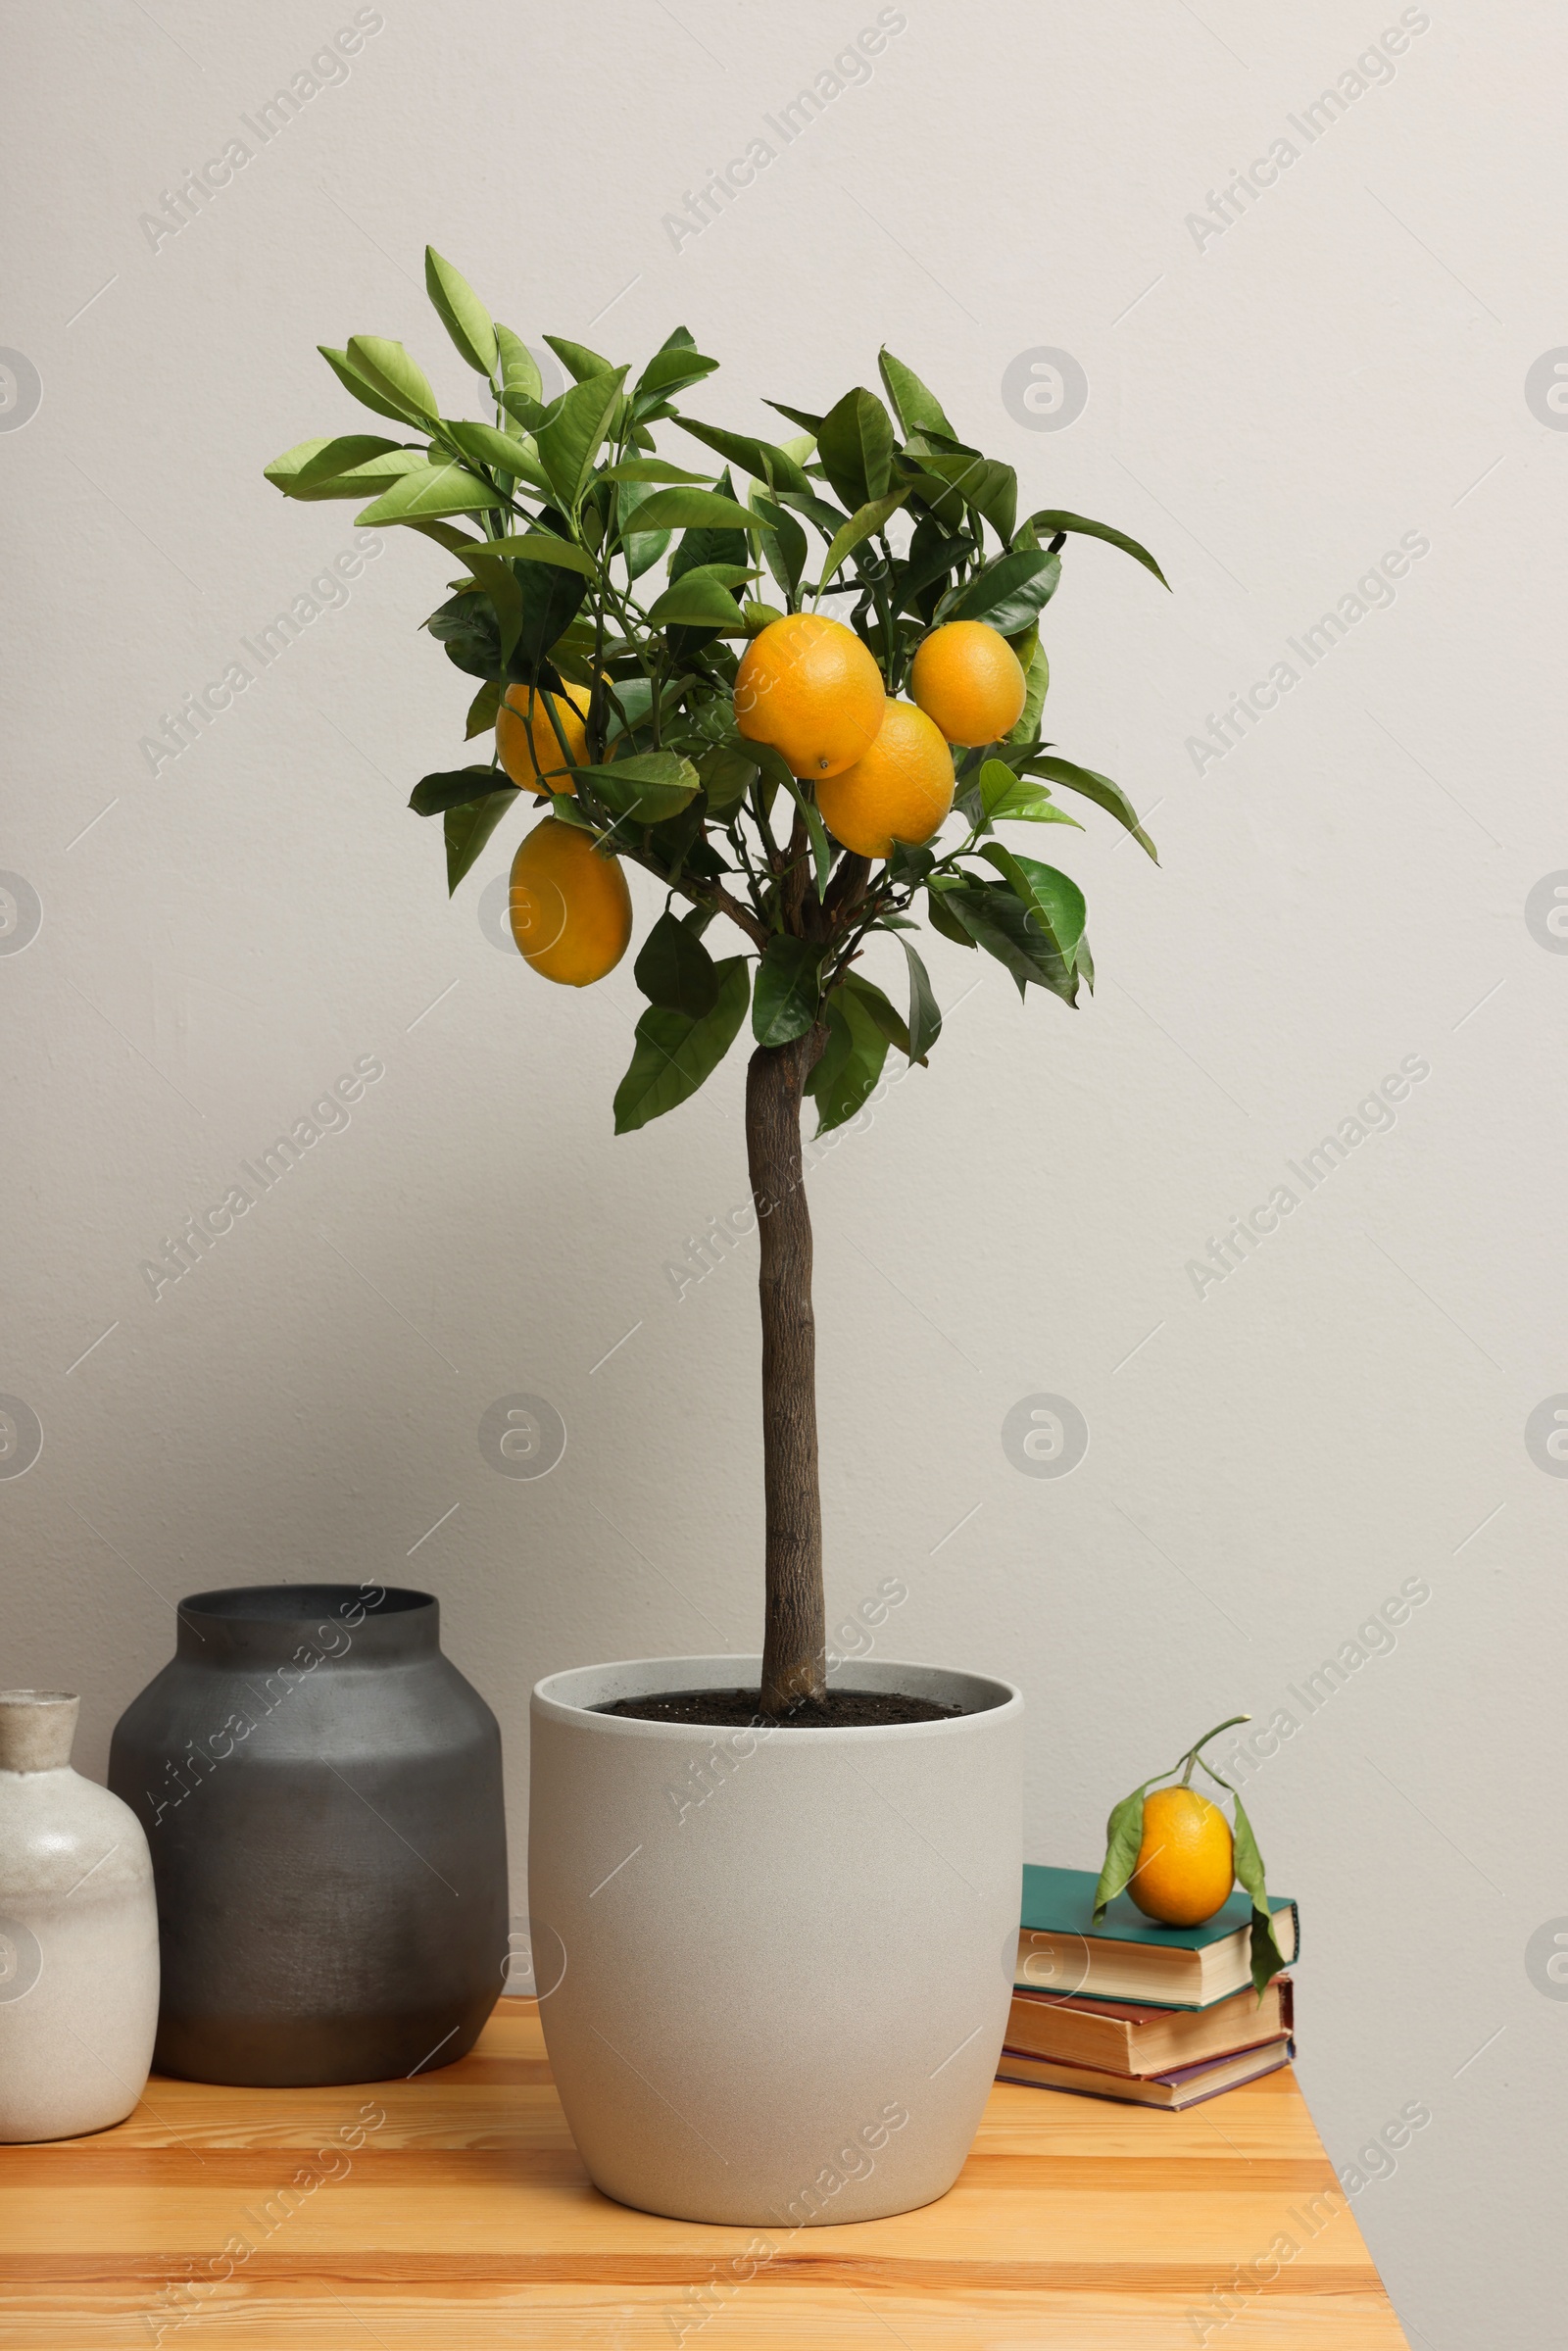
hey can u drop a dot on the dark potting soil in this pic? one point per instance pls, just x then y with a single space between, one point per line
840 1711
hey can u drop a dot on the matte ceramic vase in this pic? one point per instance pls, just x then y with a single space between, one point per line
79 1933
322 1793
775 1965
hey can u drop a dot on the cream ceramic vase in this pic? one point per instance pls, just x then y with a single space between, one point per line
79 1933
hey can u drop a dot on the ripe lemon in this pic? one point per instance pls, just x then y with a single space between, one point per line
529 748
898 790
570 908
810 688
970 682
1186 1862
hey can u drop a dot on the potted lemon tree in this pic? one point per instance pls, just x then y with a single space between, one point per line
800 683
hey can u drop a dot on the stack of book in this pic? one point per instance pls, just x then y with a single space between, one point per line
1159 2016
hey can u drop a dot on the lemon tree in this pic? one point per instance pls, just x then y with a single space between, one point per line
611 554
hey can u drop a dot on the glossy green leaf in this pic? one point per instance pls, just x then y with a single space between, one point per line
699 602
925 1014
1100 789
727 773
1008 593
855 442
1055 518
469 827
364 391
387 368
782 540
483 445
568 444
688 508
862 524
1004 923
675 1053
1124 1836
917 408
1056 902
888 1019
432 490
943 919
764 460
675 971
543 547
1038 686
784 1001
460 311
1009 798
433 794
852 1060
517 366
483 710
580 364
816 833
669 372
981 482
648 787
640 549
653 470
319 460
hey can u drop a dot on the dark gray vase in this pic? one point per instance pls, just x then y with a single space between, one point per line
321 1794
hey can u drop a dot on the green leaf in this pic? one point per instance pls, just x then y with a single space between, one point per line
1007 799
675 971
764 460
855 442
1055 518
917 408
675 1053
302 468
655 469
433 794
568 444
650 786
669 372
483 445
364 391
484 709
862 524
641 549
727 772
543 547
1100 789
942 918
580 364
688 508
387 368
469 827
460 311
1004 923
1008 593
789 987
822 851
783 542
888 1019
1124 1835
1056 902
925 1014
698 601
851 1064
1038 686
518 368
981 482
441 489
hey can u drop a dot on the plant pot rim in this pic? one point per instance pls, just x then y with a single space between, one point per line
576 1694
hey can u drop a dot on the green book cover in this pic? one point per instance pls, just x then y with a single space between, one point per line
1063 1902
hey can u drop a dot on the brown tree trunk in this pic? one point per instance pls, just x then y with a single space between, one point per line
794 1654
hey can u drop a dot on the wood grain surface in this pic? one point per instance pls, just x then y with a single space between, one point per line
452 2210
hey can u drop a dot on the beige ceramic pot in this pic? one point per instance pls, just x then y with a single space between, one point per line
775 1965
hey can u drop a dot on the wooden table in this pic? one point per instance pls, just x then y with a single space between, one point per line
462 2218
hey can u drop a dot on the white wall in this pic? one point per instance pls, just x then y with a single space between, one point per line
1272 408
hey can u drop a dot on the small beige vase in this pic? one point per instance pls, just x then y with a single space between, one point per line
79 1933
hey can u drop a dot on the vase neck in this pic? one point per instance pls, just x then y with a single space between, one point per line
36 1729
271 1624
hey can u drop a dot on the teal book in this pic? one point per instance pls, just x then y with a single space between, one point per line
1131 1957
